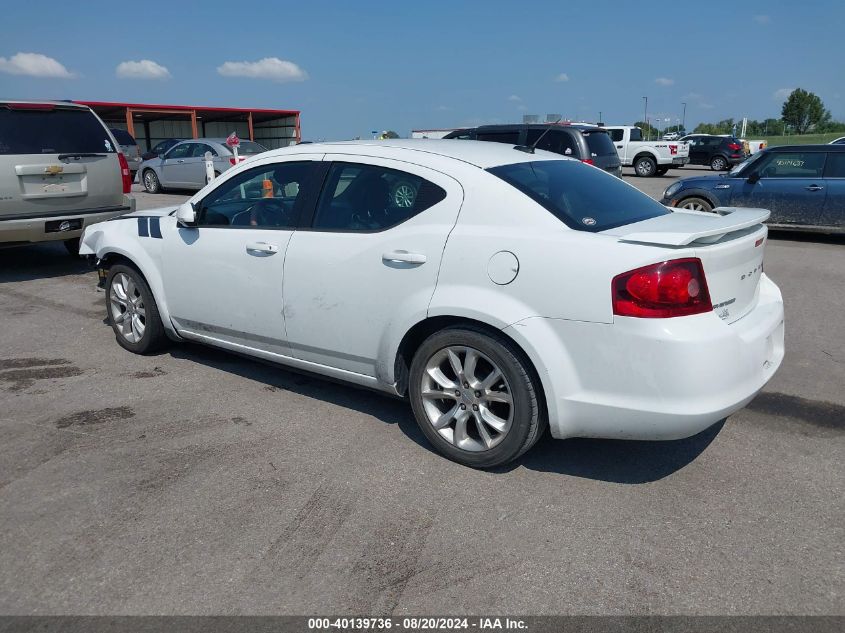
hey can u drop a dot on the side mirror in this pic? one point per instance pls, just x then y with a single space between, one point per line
161 156
753 177
186 214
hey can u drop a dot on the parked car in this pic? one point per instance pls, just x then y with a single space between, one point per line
648 158
183 165
60 170
588 143
501 291
672 136
802 185
129 148
160 148
838 141
720 152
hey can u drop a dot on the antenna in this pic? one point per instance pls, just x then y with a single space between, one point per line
529 149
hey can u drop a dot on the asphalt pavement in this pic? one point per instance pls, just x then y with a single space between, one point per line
198 482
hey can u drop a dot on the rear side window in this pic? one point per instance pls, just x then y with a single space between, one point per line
599 144
835 167
123 137
636 134
58 131
582 197
370 198
511 138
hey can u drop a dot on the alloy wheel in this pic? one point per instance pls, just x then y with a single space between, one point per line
466 398
404 196
127 308
693 206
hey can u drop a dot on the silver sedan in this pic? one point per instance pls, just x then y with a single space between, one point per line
183 166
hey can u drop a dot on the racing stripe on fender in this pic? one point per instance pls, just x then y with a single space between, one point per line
155 227
143 227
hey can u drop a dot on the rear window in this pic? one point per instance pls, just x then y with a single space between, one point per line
250 147
582 197
123 137
599 144
59 131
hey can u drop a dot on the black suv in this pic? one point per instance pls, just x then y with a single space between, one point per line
588 143
720 152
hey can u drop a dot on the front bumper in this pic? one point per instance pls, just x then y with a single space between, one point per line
653 379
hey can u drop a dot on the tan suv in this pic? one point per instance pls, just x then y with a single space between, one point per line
60 170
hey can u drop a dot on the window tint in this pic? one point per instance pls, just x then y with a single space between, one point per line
370 198
617 135
582 197
123 137
180 151
835 167
263 197
512 138
201 148
555 141
792 165
636 134
599 144
250 147
56 131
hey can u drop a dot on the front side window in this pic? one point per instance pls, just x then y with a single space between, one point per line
181 151
262 197
201 148
580 196
792 165
360 197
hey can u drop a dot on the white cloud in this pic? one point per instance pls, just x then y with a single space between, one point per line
516 98
144 69
782 94
271 68
762 19
562 77
664 81
34 65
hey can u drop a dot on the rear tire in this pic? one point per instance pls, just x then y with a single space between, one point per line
471 416
645 167
132 311
151 181
695 204
718 163
72 246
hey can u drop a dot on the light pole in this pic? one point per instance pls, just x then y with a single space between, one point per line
645 113
684 117
599 116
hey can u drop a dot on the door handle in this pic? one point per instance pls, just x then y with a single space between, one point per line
262 247
404 257
618 147
813 188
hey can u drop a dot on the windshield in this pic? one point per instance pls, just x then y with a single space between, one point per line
738 168
582 197
250 147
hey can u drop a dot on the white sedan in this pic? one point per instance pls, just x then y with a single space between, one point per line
500 290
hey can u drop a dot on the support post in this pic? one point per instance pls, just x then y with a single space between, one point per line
249 124
130 124
194 123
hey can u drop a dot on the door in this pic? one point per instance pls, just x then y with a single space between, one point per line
618 138
369 262
833 213
698 150
223 278
791 186
195 164
174 167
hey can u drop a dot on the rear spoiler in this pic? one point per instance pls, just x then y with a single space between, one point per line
683 231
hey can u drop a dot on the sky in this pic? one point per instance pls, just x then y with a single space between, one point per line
361 66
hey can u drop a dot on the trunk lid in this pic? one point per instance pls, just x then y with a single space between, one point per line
730 246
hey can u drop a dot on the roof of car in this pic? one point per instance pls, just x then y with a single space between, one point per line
64 104
807 148
541 126
482 154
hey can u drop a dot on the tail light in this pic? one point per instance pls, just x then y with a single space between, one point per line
734 147
668 289
125 173
589 161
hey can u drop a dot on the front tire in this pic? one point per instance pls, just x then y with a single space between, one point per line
718 163
132 311
645 167
475 397
151 181
695 204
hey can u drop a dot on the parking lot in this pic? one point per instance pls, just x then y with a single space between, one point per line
198 482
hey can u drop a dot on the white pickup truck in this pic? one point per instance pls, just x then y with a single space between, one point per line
649 158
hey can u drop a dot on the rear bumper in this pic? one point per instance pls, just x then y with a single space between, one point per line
30 227
653 379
